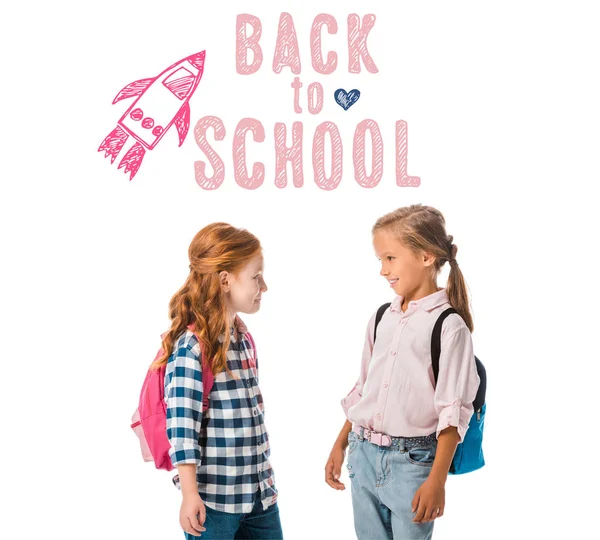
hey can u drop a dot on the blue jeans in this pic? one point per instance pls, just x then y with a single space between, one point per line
257 525
384 482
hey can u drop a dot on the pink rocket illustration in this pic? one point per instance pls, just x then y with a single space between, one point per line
161 102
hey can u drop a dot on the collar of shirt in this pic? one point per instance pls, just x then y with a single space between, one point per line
238 325
427 303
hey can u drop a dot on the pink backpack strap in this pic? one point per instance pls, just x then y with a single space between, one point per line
254 360
208 379
243 329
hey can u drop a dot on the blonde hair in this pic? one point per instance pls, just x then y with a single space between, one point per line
423 229
200 301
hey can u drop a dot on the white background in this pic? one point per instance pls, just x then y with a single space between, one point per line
501 100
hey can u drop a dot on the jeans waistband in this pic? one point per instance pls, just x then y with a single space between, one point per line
399 443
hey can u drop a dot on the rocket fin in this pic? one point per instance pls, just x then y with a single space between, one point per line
113 143
133 89
182 122
132 160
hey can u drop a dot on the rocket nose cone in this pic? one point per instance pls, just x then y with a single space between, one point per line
197 60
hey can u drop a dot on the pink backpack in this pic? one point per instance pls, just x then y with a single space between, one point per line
149 421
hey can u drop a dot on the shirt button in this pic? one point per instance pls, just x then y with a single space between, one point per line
378 417
255 412
393 353
385 385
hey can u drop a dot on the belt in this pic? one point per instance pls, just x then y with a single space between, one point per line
403 443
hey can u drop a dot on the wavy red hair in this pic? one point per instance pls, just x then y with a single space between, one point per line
200 301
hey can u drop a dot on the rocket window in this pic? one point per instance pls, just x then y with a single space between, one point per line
180 82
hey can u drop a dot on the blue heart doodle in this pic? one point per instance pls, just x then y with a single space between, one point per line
346 99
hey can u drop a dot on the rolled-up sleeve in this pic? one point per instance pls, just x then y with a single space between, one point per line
183 394
457 383
354 396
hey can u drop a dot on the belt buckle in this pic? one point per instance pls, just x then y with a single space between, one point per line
380 439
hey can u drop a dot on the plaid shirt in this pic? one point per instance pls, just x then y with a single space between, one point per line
229 442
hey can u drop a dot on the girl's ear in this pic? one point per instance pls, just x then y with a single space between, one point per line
428 259
224 280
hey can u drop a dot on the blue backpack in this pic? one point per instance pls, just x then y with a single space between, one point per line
469 454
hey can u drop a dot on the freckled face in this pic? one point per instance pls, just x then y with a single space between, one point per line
246 288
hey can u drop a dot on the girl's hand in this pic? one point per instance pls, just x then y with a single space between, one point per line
192 514
429 501
333 468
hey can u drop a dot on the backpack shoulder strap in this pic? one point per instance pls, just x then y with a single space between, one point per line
208 379
436 349
251 339
382 309
436 341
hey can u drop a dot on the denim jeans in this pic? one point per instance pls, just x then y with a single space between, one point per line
257 525
384 481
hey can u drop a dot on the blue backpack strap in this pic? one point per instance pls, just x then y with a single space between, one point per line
382 309
436 348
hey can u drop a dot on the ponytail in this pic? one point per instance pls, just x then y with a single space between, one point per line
457 292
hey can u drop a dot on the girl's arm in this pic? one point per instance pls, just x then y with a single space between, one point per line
192 514
457 382
342 440
187 479
455 392
447 443
333 468
430 499
355 394
183 394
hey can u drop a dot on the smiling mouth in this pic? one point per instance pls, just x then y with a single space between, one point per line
392 281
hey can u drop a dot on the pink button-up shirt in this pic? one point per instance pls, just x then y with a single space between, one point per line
395 392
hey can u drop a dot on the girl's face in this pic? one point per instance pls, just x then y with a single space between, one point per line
405 271
244 290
